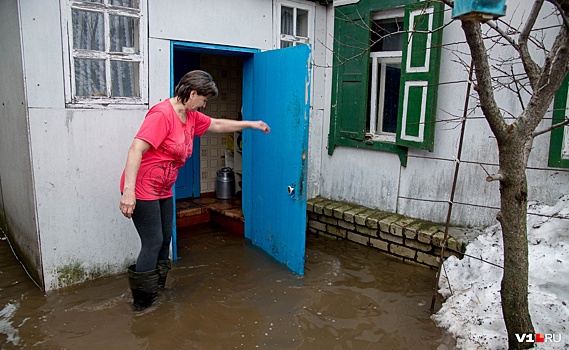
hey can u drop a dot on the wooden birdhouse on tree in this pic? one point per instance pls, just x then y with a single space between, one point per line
478 10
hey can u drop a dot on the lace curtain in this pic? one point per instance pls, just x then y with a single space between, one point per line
90 67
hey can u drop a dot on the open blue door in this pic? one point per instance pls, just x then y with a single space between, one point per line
276 90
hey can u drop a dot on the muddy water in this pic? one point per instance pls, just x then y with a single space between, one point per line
225 294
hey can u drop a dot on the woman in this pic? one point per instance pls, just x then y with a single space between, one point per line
161 146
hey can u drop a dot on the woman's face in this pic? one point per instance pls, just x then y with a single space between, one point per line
195 101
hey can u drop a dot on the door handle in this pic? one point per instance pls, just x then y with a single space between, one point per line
290 190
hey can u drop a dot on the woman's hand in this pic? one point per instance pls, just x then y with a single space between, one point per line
261 125
127 203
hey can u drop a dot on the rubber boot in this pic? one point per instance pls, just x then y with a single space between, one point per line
163 266
144 287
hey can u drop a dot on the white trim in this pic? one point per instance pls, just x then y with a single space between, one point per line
69 54
337 3
311 8
392 13
377 93
565 144
412 15
421 136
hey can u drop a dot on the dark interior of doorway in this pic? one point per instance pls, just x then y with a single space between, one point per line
196 202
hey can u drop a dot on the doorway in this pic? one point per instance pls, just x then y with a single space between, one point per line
195 186
273 86
211 151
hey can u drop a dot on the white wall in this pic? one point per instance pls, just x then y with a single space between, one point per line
78 159
422 189
18 214
244 23
76 156
64 164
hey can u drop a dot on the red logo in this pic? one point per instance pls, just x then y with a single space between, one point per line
539 338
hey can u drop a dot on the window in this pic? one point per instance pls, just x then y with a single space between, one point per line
385 74
106 50
391 56
295 23
559 139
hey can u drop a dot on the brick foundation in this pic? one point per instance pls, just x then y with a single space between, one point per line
409 239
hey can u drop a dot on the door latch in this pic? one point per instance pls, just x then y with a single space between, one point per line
290 190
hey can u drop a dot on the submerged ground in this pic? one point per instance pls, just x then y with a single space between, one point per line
225 294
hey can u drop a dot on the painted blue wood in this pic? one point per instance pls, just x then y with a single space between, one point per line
276 90
188 182
482 9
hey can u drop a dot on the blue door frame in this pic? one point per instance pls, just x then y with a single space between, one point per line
194 162
276 88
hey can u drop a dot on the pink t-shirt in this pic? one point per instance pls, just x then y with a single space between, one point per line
171 143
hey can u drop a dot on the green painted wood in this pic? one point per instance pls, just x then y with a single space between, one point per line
420 75
560 113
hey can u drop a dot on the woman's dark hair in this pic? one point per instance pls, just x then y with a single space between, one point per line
198 80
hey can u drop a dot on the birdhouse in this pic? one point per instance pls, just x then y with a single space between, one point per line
478 10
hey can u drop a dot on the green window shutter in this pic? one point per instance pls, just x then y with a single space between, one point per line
420 75
352 68
559 139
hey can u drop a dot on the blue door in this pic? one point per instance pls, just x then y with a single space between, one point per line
276 90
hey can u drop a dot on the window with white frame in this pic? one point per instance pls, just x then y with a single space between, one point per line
106 51
385 74
295 23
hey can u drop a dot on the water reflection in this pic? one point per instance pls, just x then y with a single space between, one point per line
225 294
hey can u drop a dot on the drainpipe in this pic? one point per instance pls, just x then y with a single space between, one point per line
451 200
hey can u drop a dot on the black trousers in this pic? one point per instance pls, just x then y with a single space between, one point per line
153 221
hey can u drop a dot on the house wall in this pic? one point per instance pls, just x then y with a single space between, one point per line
186 24
421 189
17 203
60 167
77 157
246 23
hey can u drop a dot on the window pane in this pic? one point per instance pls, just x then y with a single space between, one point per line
385 36
302 23
97 1
133 4
287 20
124 34
124 77
90 78
285 44
391 97
88 30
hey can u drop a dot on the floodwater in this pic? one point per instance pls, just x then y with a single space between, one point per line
225 294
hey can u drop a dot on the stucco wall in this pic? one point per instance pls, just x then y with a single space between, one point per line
421 190
64 163
246 23
18 214
77 156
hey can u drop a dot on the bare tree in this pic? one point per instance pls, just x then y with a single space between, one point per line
534 74
515 138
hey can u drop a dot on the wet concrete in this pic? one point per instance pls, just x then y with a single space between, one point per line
225 294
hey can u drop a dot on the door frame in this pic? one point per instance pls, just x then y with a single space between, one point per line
212 49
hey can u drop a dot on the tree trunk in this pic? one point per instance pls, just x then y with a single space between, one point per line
513 218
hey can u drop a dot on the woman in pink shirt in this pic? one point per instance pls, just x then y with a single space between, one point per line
159 149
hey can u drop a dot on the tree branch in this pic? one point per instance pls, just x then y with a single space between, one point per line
532 69
488 104
554 70
544 131
563 7
495 177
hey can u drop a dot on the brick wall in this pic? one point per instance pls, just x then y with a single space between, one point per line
410 239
